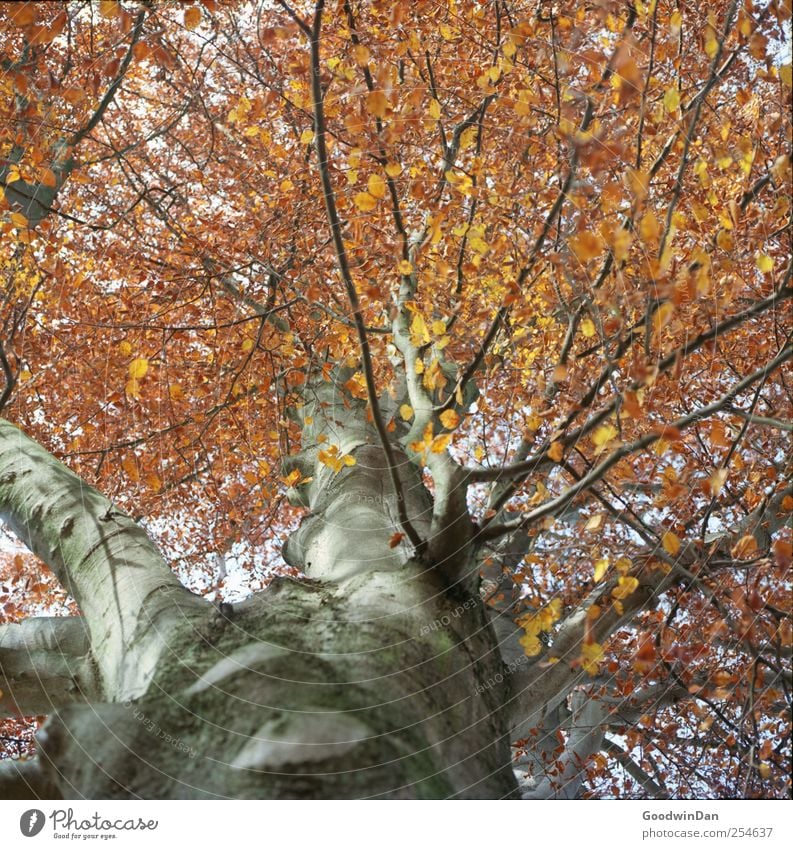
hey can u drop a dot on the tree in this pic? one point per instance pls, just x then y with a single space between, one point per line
483 311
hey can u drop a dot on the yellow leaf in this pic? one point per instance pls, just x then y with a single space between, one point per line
434 109
376 186
361 54
588 328
592 656
531 645
138 368
649 227
662 316
671 543
393 169
364 201
601 567
124 348
192 17
450 419
594 522
440 443
556 451
406 411
377 103
176 392
419 335
18 219
786 75
132 389
603 435
672 100
306 137
626 585
468 138
509 49
405 267
623 565
638 182
725 240
764 263
438 327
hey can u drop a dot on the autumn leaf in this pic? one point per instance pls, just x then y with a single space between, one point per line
361 54
586 245
192 17
603 436
626 585
592 655
365 202
672 100
376 186
556 451
395 539
419 334
601 567
450 419
377 103
334 459
671 543
745 548
138 368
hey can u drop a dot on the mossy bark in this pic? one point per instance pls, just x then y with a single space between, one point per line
293 695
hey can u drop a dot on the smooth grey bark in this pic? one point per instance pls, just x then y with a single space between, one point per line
44 664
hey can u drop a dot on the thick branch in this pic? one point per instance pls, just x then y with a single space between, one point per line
103 558
344 269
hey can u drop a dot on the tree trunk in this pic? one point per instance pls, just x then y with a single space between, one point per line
303 692
369 677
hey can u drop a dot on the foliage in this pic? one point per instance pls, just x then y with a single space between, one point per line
585 208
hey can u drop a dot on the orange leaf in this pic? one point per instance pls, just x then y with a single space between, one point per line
395 540
377 103
671 543
556 451
192 17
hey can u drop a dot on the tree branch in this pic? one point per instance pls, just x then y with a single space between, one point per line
100 555
344 269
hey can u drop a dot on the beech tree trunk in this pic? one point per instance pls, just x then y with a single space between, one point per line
370 677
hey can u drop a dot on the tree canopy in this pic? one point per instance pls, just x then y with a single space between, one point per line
545 244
